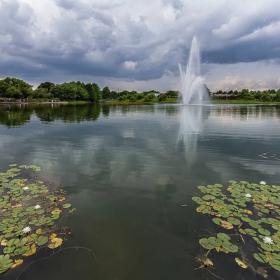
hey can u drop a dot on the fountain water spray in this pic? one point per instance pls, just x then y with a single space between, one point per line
193 87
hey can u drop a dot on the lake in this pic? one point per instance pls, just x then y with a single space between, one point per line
128 170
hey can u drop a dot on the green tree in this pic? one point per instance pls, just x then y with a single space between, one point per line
69 91
46 85
106 93
13 92
24 88
94 92
161 97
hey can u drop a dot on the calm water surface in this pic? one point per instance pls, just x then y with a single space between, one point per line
128 170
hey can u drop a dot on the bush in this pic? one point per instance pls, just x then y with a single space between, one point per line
161 97
149 97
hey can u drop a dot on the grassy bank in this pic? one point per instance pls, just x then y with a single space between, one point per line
240 101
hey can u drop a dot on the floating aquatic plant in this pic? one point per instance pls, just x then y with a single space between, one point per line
30 216
248 211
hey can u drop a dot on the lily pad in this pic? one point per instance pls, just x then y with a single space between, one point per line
204 242
230 246
223 236
42 240
215 241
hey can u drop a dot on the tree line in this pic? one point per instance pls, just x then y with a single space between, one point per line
13 88
246 94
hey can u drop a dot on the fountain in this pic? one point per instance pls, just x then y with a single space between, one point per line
193 87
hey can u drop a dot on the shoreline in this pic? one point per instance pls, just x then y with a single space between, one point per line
126 102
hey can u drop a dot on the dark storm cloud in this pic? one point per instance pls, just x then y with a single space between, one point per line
131 42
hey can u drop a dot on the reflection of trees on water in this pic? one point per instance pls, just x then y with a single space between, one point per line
245 113
68 113
15 115
18 115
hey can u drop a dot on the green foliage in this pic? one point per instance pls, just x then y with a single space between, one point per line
14 88
69 91
149 97
162 97
47 86
106 93
94 92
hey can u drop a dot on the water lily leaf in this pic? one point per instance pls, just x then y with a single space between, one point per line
204 242
42 240
53 235
216 242
31 251
8 250
56 211
223 236
217 221
21 251
264 232
226 225
5 263
221 249
267 247
55 216
254 224
250 231
230 247
4 242
65 206
233 221
249 212
241 263
17 263
55 242
275 264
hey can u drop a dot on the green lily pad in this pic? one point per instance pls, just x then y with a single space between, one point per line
65 206
250 231
230 247
263 231
223 236
217 221
5 263
275 264
204 242
8 250
260 257
234 221
42 240
215 241
20 251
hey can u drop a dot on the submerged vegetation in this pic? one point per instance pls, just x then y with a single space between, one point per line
31 216
247 217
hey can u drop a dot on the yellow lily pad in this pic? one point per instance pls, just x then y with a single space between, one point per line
31 252
241 263
17 263
55 242
226 225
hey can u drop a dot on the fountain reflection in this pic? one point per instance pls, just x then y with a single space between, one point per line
192 120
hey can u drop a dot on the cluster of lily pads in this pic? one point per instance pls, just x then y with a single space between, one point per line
30 216
249 211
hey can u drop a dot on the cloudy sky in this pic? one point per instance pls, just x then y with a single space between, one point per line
129 44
